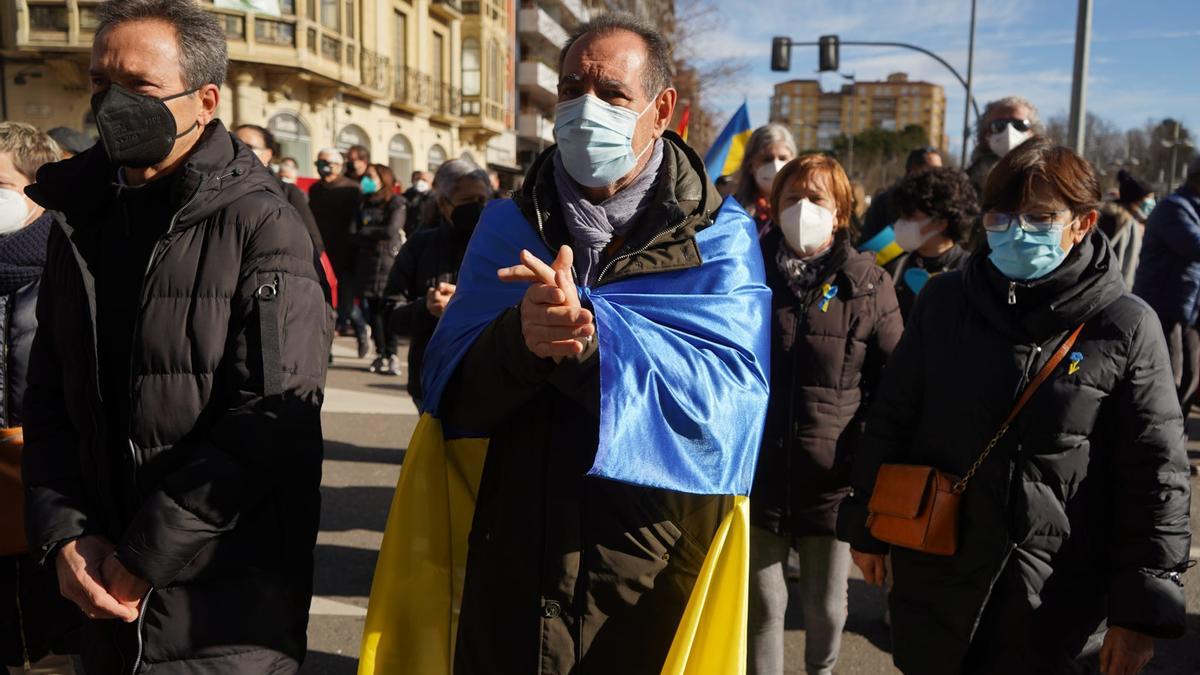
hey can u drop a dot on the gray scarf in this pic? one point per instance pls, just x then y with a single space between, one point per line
593 226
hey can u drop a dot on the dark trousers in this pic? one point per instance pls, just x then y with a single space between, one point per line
375 312
348 313
1183 343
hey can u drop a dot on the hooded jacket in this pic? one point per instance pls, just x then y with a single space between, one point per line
1168 271
565 572
214 500
826 360
1079 515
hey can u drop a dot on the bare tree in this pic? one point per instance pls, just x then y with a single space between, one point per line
698 73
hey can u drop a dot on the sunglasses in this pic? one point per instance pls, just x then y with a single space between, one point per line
996 126
994 221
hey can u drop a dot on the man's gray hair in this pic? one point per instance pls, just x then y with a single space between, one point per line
1008 102
657 71
203 57
453 172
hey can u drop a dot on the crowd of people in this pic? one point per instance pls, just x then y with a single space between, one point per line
1022 345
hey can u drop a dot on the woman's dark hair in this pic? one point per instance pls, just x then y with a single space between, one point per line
387 183
1039 161
939 193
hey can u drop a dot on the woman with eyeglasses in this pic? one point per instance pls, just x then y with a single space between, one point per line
1073 531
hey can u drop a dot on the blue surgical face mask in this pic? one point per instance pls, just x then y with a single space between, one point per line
1025 256
368 185
595 140
1147 206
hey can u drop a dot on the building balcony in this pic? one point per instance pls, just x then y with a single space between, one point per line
412 89
534 24
534 127
288 41
539 81
574 10
447 102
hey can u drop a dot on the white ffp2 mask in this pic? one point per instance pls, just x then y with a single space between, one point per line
14 211
764 177
1002 142
806 226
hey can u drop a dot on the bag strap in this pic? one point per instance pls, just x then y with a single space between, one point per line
1044 374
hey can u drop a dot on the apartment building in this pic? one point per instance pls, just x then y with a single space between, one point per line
386 74
816 118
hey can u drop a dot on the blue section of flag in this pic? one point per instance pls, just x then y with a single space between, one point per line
714 160
683 355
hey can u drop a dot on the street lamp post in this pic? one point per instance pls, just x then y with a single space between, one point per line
970 84
1174 144
1083 40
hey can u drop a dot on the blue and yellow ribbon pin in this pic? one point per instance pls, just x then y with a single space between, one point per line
1076 361
828 292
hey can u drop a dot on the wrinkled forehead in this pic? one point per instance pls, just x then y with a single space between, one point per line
617 56
136 53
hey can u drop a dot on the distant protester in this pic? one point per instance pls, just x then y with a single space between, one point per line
882 211
379 238
769 148
1123 221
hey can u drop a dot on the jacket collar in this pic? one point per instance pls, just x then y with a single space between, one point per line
684 204
845 267
219 170
1086 282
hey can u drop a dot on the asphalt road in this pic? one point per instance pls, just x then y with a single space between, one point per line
368 420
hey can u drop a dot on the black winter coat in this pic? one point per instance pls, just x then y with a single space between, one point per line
430 255
1081 512
825 363
216 500
378 237
906 294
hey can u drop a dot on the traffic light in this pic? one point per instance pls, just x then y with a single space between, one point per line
781 54
828 53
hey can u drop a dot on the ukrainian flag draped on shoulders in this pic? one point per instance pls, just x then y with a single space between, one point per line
683 397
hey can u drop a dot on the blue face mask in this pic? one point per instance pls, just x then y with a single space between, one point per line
1147 206
1025 256
595 140
368 185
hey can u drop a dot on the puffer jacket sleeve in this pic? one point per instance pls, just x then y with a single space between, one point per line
404 294
261 442
1150 532
891 423
1177 225
55 502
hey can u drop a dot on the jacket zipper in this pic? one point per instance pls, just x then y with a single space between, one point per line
160 247
137 662
1012 293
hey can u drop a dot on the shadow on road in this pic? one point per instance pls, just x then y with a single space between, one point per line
343 571
355 508
321 663
345 452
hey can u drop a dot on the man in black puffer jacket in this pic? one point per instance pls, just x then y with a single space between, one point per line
173 454
1074 531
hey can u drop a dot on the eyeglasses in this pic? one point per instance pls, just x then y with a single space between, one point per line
996 126
994 221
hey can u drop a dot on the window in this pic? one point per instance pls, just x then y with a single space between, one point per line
470 67
352 134
400 157
399 41
329 15
495 64
267 31
48 17
292 136
437 157
439 46
350 19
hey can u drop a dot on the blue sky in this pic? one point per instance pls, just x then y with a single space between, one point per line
1145 59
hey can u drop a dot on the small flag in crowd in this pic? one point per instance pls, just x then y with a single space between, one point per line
725 155
684 118
883 245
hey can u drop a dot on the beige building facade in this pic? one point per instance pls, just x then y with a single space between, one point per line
385 74
817 118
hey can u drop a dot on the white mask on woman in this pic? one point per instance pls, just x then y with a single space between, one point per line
806 226
764 177
909 235
14 211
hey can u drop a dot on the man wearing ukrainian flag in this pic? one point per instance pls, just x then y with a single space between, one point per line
609 338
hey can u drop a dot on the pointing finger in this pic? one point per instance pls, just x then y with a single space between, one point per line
543 271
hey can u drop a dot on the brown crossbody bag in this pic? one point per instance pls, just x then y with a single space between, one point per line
916 507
